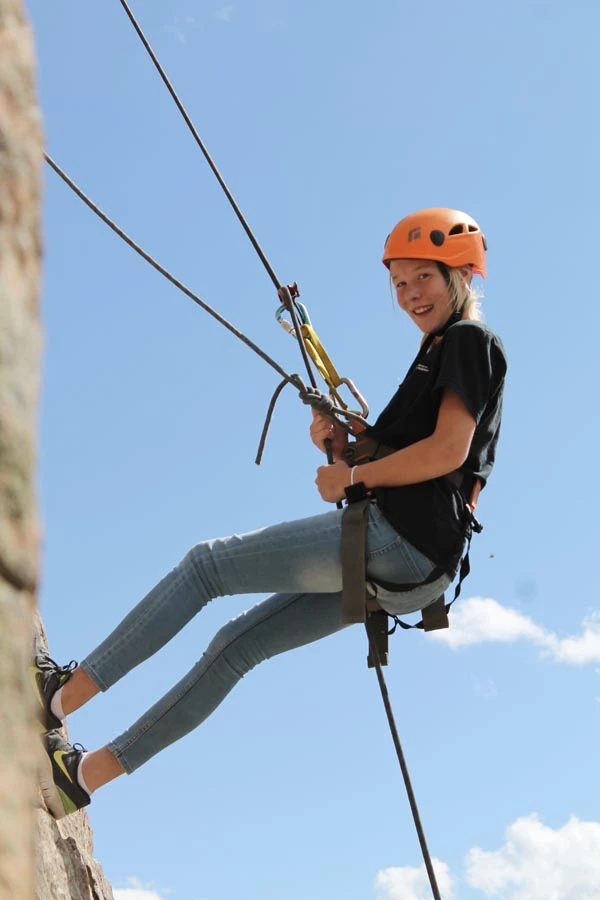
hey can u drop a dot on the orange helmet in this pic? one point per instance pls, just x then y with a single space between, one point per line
444 235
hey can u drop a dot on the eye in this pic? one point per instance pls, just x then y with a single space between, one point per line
400 284
423 275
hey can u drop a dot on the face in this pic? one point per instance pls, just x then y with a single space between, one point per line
422 292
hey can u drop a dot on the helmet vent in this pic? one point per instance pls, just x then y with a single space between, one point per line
457 229
472 228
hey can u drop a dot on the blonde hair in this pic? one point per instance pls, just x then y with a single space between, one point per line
463 296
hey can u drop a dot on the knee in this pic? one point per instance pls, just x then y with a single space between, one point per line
198 570
239 644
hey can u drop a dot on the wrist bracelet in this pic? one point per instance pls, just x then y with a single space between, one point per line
352 471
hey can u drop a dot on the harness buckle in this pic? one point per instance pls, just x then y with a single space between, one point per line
356 492
377 630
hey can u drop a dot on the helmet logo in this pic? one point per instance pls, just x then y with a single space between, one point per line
414 234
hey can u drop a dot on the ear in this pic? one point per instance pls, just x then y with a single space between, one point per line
467 274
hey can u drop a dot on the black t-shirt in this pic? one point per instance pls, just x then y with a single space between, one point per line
470 360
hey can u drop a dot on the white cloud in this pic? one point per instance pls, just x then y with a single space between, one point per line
136 891
539 863
135 894
410 883
483 620
535 862
225 13
582 649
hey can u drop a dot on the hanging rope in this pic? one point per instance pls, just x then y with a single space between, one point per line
287 294
403 767
311 397
291 379
201 144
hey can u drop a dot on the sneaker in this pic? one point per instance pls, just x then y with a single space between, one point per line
47 678
61 790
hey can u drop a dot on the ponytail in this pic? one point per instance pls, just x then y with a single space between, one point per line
463 297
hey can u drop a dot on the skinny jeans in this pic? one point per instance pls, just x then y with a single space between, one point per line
298 559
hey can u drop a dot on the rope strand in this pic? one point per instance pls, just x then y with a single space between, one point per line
404 769
292 379
284 292
201 144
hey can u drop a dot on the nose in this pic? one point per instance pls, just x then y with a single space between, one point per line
414 292
409 295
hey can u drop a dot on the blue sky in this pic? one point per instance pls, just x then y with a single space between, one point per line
330 121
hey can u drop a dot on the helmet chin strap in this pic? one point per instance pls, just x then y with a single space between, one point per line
456 316
444 269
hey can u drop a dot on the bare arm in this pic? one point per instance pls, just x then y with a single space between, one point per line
442 452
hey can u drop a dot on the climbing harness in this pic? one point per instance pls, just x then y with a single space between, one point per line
354 537
359 602
359 599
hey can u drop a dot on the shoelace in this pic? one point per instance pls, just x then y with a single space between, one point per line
48 663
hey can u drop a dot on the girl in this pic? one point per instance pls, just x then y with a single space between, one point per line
439 430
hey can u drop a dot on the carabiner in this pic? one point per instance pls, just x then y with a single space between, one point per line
287 326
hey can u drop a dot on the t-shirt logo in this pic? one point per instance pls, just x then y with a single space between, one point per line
423 368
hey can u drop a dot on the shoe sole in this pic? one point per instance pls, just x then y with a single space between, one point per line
42 715
50 794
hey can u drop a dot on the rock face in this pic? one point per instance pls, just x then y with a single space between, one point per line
20 163
34 849
66 869
17 762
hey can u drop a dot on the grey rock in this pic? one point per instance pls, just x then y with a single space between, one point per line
38 856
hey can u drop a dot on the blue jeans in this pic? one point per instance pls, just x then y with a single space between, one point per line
299 559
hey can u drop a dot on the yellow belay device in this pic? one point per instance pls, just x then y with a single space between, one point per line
320 357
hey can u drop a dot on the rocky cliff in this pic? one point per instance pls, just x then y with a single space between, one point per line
39 858
66 868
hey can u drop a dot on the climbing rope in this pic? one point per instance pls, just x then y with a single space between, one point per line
311 397
300 327
291 379
201 144
287 294
403 767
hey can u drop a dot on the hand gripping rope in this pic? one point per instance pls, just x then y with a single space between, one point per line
299 327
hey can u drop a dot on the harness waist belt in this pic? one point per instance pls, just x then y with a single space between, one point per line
357 604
